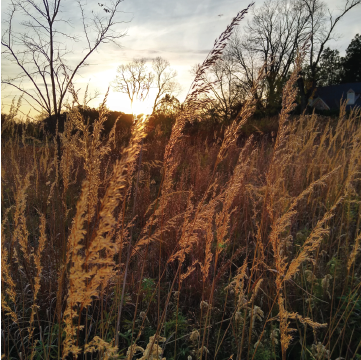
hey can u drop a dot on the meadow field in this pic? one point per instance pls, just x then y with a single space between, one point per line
150 244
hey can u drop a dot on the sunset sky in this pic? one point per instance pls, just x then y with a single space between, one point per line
180 31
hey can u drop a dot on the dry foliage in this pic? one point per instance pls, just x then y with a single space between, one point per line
180 248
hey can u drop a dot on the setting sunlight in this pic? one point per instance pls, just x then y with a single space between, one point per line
120 102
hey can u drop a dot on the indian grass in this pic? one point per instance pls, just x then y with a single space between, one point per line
198 249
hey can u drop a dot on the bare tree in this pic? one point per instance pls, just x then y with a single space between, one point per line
321 25
246 62
164 80
134 79
272 38
274 35
225 90
43 49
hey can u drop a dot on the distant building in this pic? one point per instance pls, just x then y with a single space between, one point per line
329 97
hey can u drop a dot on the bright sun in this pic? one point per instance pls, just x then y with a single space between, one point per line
143 107
120 102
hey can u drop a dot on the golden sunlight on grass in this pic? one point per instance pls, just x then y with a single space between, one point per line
132 240
176 237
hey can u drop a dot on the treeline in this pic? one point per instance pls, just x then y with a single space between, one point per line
11 126
276 32
51 125
269 42
335 69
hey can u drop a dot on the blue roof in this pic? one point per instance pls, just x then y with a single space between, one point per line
333 94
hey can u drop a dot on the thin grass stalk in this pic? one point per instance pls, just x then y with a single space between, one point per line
128 249
344 327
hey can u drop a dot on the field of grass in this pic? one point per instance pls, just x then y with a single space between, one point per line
183 247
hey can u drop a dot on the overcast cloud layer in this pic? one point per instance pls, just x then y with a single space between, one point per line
181 31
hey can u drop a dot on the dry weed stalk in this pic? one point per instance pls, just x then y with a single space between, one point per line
87 145
107 351
38 266
356 249
198 88
88 272
9 293
247 205
277 239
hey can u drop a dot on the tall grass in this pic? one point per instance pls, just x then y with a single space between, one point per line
182 248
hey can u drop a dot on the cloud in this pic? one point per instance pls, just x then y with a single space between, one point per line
181 31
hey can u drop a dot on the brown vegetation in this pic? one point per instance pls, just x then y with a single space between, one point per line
184 248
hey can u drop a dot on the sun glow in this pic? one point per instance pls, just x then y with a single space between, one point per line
143 107
120 102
